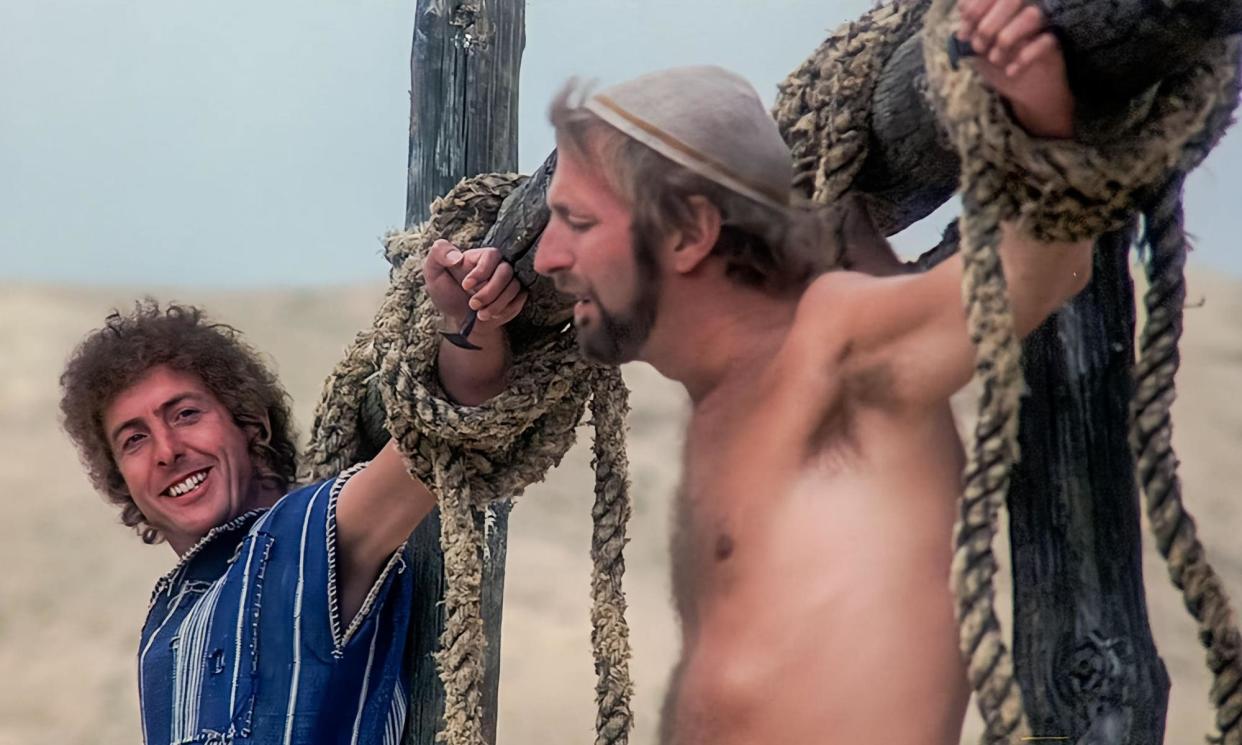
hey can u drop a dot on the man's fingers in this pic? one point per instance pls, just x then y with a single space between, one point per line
1027 24
485 261
511 309
498 308
1045 44
515 307
996 18
487 294
443 259
969 13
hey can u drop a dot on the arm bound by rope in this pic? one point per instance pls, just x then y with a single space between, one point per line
1061 190
479 280
382 505
914 327
469 455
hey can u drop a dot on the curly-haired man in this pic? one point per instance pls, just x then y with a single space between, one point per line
285 618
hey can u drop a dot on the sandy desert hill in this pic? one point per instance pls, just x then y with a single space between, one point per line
75 584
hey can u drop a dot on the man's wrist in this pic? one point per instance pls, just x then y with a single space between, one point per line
1044 124
481 330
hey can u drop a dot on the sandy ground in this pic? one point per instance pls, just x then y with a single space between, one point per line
75 585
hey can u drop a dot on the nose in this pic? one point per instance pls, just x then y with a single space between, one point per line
168 446
552 254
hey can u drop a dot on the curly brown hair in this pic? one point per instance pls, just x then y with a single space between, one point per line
114 357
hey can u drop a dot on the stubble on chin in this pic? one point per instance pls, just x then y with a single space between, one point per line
617 339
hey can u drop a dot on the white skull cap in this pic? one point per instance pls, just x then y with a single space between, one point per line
707 119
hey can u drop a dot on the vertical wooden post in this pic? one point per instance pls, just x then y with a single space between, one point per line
1083 650
464 71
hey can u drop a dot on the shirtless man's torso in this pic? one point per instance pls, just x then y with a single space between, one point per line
822 465
813 526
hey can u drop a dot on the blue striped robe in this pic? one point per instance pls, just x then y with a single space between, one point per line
244 642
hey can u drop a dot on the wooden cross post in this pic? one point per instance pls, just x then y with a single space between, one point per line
1083 651
463 121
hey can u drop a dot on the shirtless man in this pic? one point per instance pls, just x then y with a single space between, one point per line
822 465
812 550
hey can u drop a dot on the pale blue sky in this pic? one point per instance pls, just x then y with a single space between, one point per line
255 143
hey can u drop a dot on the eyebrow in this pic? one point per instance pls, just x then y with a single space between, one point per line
169 404
566 212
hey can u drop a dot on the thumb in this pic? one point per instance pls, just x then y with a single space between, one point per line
442 256
467 261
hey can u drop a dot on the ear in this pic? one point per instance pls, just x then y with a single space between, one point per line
697 237
259 429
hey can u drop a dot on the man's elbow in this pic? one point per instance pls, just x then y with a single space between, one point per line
1058 283
1073 276
1079 269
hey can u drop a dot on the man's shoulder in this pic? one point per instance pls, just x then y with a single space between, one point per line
826 314
832 337
833 290
317 496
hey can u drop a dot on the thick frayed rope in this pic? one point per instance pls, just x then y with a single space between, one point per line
610 637
470 456
1151 436
1055 191
824 107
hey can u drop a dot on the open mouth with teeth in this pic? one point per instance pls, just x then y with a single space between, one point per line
191 484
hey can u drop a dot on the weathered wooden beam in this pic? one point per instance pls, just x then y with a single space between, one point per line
1110 46
1083 649
464 70
910 172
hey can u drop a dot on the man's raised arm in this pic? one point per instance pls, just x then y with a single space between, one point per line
381 504
914 326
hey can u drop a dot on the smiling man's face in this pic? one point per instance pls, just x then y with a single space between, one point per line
184 459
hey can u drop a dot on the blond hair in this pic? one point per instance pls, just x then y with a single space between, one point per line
771 248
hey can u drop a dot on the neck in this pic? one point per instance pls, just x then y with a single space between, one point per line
711 332
872 254
262 493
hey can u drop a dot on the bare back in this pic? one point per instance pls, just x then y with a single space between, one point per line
811 563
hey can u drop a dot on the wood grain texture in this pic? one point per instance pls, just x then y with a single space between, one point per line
464 68
1083 648
464 71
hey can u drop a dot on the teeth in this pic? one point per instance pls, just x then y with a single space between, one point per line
178 489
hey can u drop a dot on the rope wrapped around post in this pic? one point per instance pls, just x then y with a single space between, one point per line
824 107
1055 191
470 456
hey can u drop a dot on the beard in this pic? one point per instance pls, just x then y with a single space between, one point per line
619 336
